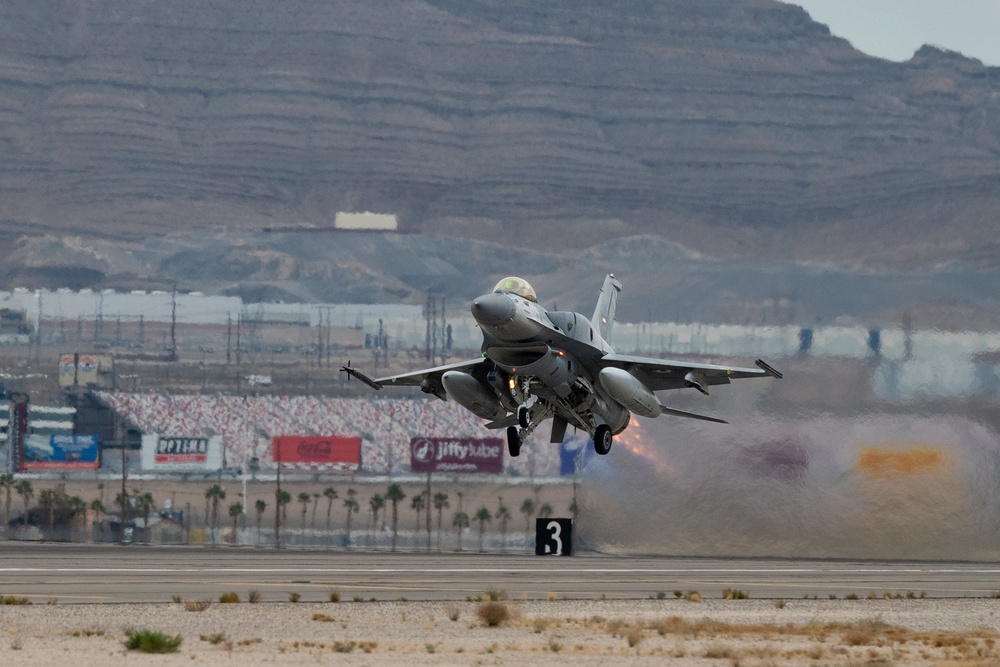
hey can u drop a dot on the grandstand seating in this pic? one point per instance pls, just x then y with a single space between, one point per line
247 425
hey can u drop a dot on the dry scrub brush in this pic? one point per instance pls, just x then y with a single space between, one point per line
493 614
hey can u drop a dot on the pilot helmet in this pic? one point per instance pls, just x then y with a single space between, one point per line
518 286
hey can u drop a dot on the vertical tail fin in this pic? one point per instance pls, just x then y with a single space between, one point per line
604 313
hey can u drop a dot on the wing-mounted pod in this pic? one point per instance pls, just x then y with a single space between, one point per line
475 396
630 392
552 367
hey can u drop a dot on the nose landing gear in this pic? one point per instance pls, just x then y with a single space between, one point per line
523 416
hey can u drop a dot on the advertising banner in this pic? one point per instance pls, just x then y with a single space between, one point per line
328 451
181 452
456 455
60 452
67 370
574 454
86 371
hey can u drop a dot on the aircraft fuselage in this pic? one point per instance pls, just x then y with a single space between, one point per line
556 350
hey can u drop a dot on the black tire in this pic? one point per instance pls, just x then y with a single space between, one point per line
523 416
513 442
603 439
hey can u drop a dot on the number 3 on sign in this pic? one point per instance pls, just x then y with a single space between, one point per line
555 529
553 537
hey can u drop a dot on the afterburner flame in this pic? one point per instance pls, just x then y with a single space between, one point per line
633 439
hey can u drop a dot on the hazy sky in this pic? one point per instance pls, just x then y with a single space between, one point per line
894 29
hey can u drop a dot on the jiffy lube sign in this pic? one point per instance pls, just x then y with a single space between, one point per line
456 455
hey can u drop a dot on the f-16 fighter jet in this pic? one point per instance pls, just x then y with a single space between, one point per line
538 364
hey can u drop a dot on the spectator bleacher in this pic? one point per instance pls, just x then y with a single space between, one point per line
247 425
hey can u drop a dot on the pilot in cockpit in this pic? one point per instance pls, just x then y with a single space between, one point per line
518 286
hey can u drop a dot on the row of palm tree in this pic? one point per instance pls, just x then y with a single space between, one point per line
22 487
139 503
393 497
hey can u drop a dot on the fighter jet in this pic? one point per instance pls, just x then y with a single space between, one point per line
538 364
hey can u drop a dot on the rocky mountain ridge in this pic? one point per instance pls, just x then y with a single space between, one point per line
739 129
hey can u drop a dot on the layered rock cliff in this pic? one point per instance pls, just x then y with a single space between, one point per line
739 129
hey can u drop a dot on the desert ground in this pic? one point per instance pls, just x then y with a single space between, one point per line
676 631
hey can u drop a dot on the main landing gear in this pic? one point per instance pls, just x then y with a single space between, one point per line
513 441
602 439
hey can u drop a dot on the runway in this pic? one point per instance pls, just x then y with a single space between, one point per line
74 573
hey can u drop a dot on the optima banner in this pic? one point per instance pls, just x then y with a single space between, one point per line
181 452
456 455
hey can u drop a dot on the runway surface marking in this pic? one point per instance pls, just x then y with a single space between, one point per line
510 570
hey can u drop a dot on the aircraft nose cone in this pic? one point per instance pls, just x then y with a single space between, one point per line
492 309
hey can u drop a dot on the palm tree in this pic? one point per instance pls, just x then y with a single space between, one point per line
440 503
376 503
417 504
461 522
260 506
7 484
26 491
527 509
351 503
235 510
144 503
316 498
79 510
97 507
394 494
482 516
281 498
305 499
215 494
123 500
47 502
545 511
503 516
330 494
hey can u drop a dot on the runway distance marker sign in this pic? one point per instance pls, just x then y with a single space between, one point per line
553 537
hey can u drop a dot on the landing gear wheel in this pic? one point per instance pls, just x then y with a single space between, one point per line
603 439
523 416
513 441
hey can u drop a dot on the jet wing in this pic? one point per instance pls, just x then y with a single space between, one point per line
428 379
661 374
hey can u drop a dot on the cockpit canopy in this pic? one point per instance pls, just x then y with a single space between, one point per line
518 286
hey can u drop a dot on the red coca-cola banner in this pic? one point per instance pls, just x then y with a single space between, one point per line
456 455
323 449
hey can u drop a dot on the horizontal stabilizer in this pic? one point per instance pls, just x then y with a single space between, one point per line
509 420
690 415
770 370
